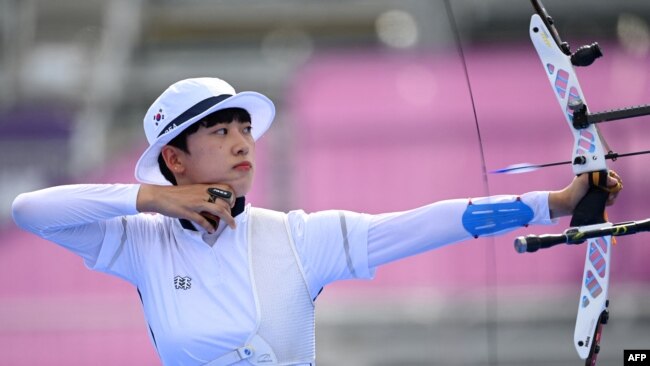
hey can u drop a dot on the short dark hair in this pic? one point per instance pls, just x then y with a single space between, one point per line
221 116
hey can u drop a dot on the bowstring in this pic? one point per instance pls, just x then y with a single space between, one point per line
491 306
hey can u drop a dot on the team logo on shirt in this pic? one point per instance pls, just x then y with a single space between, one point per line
182 283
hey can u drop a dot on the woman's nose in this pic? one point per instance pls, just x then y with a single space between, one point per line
241 146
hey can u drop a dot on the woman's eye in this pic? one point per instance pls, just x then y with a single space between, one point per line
248 129
221 131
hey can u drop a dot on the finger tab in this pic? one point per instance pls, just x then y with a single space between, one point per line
220 193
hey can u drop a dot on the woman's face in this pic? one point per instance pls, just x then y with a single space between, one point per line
223 153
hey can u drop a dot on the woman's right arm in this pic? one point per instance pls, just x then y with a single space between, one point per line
75 216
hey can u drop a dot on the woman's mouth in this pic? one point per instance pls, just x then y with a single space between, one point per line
244 165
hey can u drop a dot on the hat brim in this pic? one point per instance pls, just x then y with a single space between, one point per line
260 108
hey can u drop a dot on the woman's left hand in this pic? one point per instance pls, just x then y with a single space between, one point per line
564 202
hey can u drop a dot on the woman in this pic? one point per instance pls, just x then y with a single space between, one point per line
224 283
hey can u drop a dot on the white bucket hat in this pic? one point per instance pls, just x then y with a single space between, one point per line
186 102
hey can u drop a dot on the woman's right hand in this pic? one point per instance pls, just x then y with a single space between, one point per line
191 202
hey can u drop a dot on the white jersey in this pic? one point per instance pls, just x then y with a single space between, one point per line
195 288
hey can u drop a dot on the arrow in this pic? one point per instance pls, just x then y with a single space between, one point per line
529 167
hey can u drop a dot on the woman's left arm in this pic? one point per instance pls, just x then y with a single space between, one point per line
398 235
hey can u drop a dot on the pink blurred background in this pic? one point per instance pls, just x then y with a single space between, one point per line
370 132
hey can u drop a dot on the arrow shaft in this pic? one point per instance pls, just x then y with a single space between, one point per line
610 156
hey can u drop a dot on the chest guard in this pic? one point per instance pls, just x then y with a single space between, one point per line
285 333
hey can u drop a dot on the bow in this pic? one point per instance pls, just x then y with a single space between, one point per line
589 155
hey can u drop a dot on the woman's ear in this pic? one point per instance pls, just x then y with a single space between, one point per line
173 157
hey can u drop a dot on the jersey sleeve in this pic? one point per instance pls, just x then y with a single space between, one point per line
397 235
332 246
89 220
336 245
